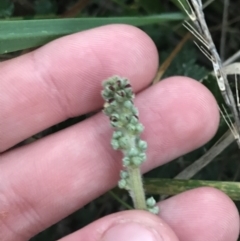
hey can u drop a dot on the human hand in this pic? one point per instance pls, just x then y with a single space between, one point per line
45 181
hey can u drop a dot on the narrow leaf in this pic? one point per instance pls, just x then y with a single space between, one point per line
173 186
18 35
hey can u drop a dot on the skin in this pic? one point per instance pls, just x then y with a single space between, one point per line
45 181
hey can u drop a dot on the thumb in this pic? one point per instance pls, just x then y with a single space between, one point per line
128 225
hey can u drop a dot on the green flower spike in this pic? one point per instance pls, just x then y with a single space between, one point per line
123 117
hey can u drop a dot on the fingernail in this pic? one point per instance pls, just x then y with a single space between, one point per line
132 232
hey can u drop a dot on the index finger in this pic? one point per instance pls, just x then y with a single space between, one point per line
63 78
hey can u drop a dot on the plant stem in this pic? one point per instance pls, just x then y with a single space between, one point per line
137 191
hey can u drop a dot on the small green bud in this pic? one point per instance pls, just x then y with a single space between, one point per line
126 161
154 210
139 128
108 110
129 93
105 84
143 156
128 104
105 94
151 202
119 96
117 134
135 111
133 152
123 142
123 184
142 145
134 120
136 161
124 174
115 144
114 117
152 207
120 82
114 120
130 127
113 103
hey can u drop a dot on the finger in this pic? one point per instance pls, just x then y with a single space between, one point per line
63 79
131 225
60 173
201 214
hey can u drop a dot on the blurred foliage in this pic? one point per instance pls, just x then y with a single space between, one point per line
185 63
188 62
150 6
6 8
45 6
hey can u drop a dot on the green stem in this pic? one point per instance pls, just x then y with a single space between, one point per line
137 191
119 200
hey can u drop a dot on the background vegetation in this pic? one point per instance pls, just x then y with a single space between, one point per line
178 57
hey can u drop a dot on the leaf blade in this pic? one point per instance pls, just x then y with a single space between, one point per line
18 35
176 186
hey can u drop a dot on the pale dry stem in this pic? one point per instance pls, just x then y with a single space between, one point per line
207 46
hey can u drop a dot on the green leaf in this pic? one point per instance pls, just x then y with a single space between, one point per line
173 186
18 35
